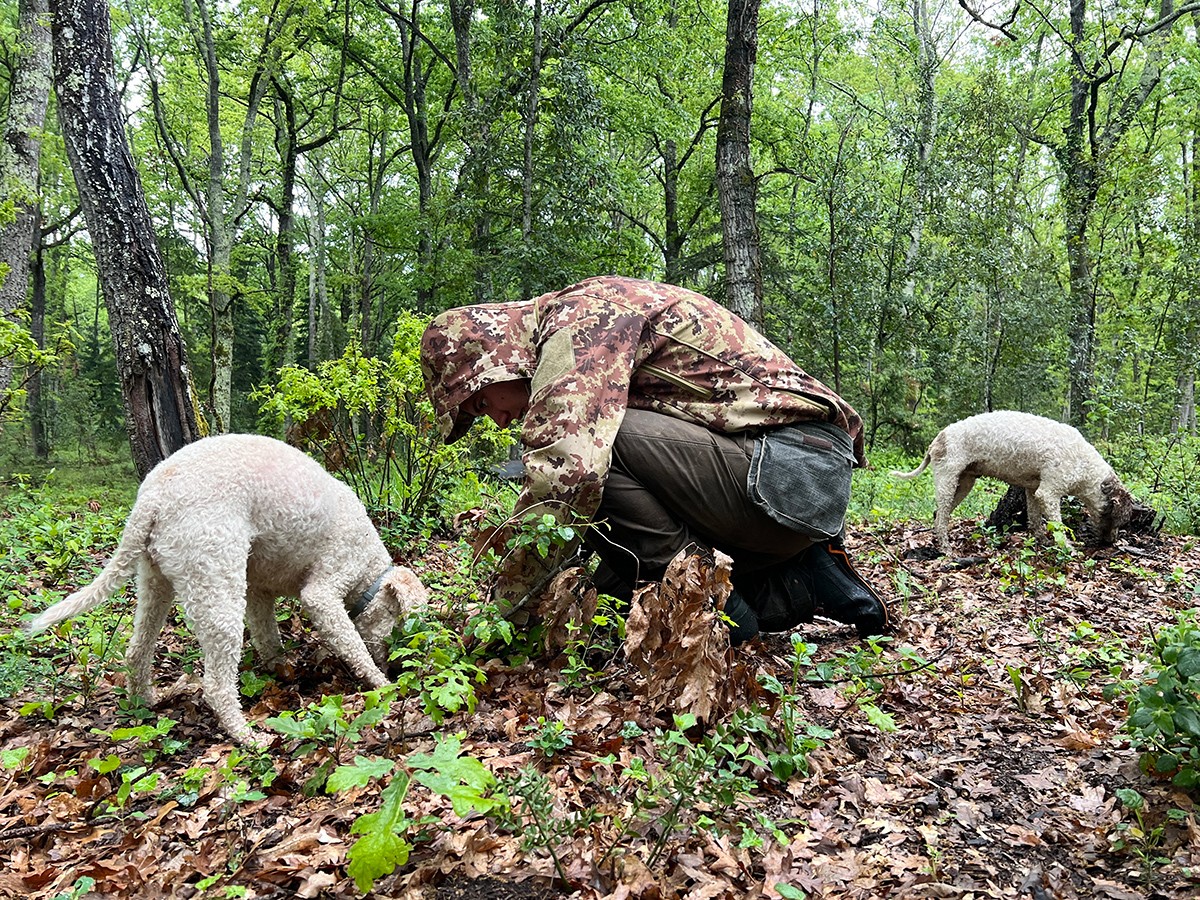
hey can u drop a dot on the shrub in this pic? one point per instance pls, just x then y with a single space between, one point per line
370 422
1164 711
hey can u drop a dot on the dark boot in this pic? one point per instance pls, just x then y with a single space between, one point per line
841 593
780 597
745 622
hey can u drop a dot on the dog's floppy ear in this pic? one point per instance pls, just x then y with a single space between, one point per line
402 590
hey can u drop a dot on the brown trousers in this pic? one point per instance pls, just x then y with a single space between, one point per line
674 484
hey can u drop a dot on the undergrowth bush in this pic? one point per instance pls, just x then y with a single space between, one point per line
1162 471
369 421
51 547
1164 708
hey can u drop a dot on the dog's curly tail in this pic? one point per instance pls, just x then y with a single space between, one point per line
896 473
112 577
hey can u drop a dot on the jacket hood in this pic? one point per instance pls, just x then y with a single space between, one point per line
468 348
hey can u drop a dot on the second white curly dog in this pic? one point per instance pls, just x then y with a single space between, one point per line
226 525
1047 458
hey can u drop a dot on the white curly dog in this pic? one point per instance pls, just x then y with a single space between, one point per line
225 526
1048 459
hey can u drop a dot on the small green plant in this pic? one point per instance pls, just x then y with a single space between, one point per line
436 667
241 775
1035 565
686 785
13 760
789 892
550 737
1088 653
252 684
387 835
544 534
1016 675
590 649
134 780
532 812
1164 708
859 671
328 723
80 888
789 746
1139 837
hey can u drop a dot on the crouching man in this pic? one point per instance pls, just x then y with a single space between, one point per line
671 424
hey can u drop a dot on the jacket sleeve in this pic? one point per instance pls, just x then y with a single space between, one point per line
588 350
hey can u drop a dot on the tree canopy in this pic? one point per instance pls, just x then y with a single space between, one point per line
958 208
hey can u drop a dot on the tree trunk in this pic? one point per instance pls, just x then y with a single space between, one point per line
1083 154
672 233
366 285
286 140
34 402
319 326
20 153
927 65
423 148
478 139
151 357
736 186
531 115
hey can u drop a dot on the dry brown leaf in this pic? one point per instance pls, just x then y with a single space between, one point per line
675 639
569 598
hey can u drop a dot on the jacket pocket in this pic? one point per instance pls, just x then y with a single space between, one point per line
800 476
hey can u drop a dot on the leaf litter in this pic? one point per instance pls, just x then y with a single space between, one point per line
990 772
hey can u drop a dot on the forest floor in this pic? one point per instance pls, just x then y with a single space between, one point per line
992 771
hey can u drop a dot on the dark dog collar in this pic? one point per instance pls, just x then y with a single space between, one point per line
368 595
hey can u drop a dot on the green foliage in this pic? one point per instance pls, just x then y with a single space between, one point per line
682 785
81 888
788 746
860 672
329 723
1033 565
593 647
134 779
43 537
550 737
1164 709
51 537
388 833
1139 837
435 665
1088 653
384 844
371 422
543 535
152 739
20 352
1162 472
13 759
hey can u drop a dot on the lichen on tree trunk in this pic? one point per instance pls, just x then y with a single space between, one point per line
160 404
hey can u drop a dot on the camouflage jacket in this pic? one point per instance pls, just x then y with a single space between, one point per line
601 346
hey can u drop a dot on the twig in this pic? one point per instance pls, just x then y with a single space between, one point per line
46 828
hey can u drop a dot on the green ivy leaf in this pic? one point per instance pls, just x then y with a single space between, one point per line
359 774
